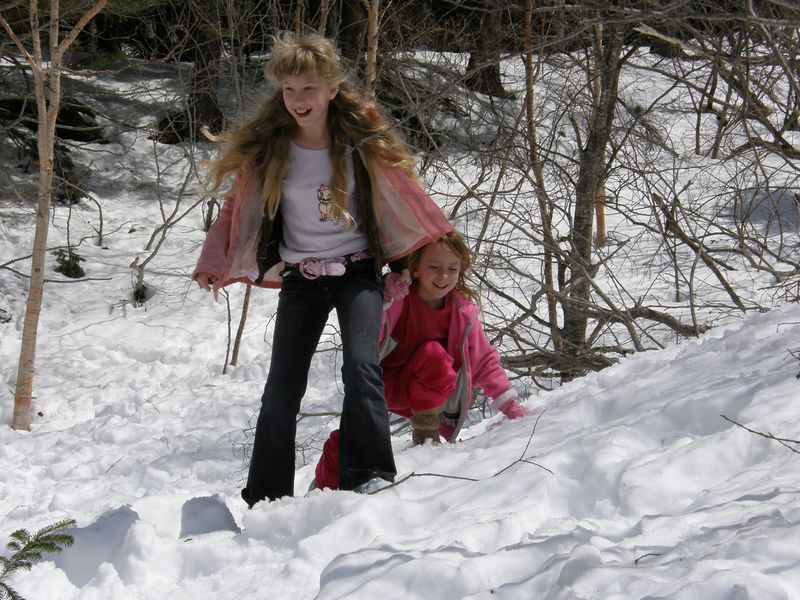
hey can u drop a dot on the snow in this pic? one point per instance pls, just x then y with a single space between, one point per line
624 484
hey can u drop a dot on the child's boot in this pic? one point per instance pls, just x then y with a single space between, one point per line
425 425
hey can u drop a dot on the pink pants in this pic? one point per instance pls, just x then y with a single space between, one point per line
426 381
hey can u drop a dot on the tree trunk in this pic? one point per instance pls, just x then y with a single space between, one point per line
483 69
48 96
203 105
199 37
483 74
352 31
600 214
371 66
298 17
324 10
47 84
237 343
590 174
23 396
541 189
600 195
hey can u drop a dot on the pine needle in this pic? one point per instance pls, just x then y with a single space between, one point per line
27 549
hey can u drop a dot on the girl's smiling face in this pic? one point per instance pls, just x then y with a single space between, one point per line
307 97
436 274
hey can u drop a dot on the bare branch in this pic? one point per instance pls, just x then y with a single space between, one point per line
783 441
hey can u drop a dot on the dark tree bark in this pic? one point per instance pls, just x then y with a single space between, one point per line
483 70
591 173
202 104
484 73
352 33
197 32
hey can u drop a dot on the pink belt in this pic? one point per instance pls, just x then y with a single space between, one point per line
312 268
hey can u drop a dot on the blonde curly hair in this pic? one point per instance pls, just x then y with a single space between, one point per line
263 138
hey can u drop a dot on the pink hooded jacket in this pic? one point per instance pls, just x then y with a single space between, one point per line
475 360
409 219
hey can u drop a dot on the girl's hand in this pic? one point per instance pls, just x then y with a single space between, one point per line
395 287
205 281
513 409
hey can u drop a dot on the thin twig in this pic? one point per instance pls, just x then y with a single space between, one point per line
461 478
26 276
413 474
636 562
525 451
303 415
769 436
114 464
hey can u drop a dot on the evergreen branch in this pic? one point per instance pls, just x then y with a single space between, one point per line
27 549
7 592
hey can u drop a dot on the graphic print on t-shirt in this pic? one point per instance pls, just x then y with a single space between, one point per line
325 199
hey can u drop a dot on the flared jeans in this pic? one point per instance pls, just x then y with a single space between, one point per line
425 382
303 309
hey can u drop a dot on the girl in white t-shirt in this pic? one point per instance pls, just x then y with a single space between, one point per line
325 195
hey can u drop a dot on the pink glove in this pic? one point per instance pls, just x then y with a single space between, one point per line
395 287
513 409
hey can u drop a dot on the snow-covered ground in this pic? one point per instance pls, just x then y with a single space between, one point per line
625 484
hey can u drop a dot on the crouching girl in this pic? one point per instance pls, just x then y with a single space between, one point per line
434 351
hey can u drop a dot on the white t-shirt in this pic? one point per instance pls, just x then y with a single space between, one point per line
306 202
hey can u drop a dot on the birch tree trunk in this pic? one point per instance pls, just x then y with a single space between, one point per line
47 85
371 66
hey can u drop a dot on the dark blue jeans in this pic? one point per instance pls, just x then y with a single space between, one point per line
303 308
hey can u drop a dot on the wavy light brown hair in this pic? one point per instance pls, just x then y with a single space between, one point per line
263 138
454 242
